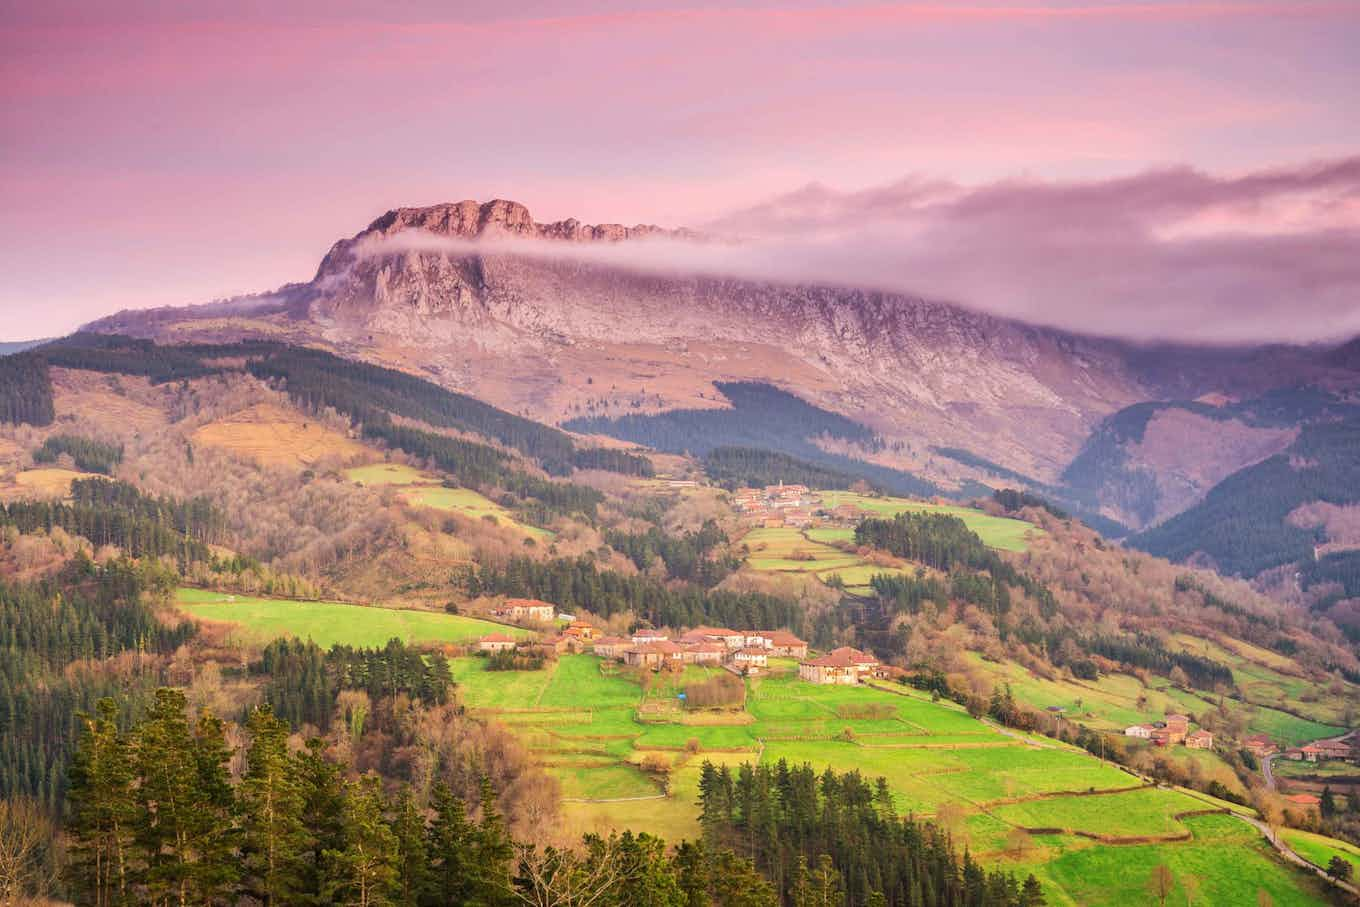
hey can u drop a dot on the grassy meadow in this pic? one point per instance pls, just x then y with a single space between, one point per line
424 490
1319 849
260 620
814 551
592 724
1003 533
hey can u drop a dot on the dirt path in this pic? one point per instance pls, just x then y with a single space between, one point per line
613 799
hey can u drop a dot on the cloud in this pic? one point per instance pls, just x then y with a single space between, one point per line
1173 254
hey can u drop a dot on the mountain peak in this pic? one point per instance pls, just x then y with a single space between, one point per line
470 219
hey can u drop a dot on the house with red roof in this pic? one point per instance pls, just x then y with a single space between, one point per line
496 642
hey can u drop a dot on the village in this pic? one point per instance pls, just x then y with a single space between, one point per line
796 506
745 653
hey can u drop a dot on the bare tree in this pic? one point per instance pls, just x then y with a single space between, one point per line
1161 882
26 835
561 877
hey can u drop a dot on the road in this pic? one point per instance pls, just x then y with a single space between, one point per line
1294 858
1266 771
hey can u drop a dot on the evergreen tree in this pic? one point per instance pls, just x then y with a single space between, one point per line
364 871
184 802
449 848
413 866
274 837
494 848
323 801
102 809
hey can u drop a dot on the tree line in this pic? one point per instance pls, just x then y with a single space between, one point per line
833 838
157 819
117 513
977 573
26 390
88 454
302 679
753 467
578 583
761 417
692 557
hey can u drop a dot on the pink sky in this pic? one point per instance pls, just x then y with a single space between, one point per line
163 153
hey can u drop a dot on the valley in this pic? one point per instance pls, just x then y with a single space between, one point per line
290 521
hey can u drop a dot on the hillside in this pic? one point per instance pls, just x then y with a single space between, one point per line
956 397
266 491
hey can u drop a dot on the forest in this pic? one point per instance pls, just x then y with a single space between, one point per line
836 839
88 454
579 583
752 467
1241 524
688 556
116 513
761 417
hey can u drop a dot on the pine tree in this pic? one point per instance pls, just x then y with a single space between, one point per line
449 846
1328 805
413 867
274 837
102 808
364 871
323 820
184 825
495 850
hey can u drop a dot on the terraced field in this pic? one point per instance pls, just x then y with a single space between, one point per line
814 551
592 725
327 623
1003 533
426 490
1319 849
1112 703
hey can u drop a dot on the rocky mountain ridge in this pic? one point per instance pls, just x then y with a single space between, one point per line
558 337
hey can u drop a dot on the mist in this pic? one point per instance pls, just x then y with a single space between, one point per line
1171 254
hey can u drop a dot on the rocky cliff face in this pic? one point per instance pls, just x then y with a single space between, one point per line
554 338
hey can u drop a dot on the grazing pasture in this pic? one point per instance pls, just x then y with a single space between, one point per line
277 436
260 620
999 532
1226 861
425 490
1319 849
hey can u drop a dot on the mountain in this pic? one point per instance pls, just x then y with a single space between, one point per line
1134 433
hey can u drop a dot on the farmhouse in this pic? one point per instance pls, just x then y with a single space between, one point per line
1199 740
611 646
526 609
652 654
732 639
750 658
1260 745
582 631
496 642
1143 731
646 637
703 652
1176 727
845 665
780 642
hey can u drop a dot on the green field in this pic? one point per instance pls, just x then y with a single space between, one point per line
1226 860
260 620
1319 849
425 490
591 725
814 551
1112 702
1003 533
